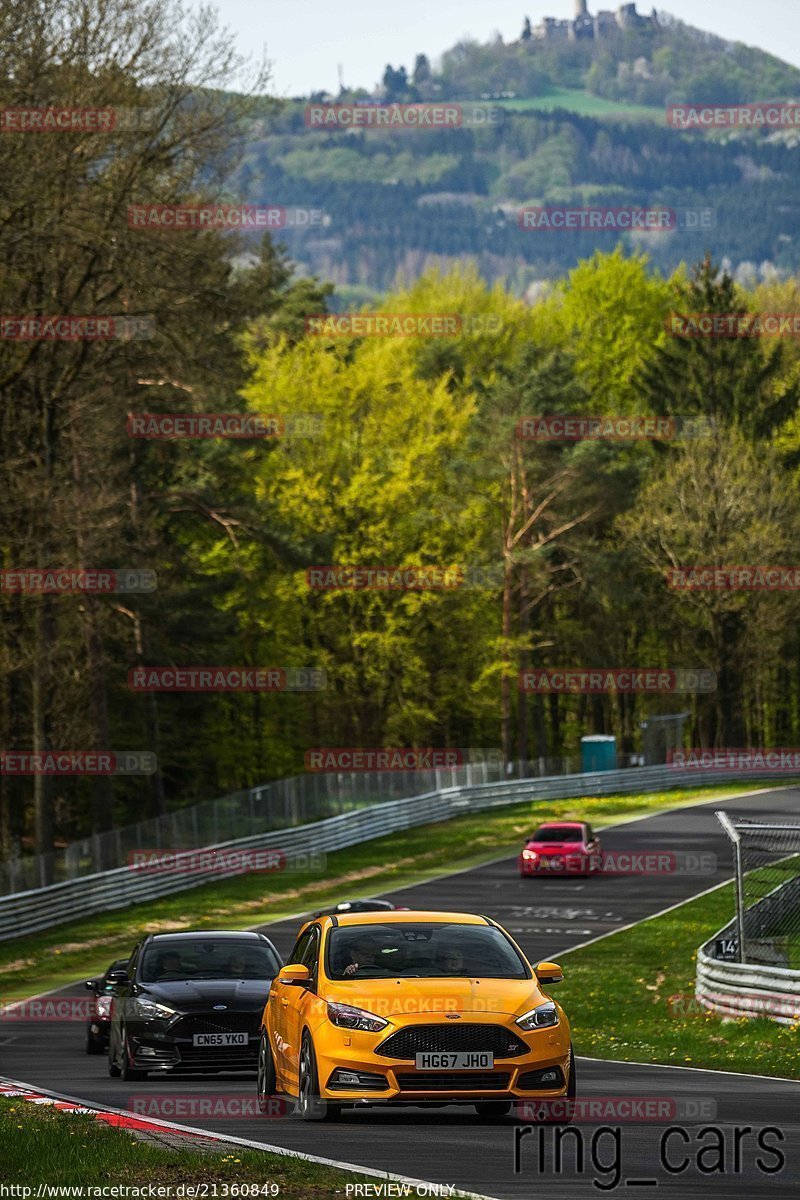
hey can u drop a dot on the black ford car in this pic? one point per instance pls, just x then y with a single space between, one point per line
190 1002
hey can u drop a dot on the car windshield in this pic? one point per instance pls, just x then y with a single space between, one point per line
557 833
418 950
208 958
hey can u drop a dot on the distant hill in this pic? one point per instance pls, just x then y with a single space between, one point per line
653 61
580 127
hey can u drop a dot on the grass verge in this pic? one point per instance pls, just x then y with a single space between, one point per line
585 104
631 997
55 957
41 1144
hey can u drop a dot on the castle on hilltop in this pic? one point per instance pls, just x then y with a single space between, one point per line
583 25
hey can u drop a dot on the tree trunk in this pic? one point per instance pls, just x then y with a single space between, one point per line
524 663
505 682
102 786
12 790
730 721
42 684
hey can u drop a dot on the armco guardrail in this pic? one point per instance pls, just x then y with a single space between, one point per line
42 908
281 804
735 989
752 989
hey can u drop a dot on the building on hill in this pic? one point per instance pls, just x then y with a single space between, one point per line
604 23
551 30
584 25
627 17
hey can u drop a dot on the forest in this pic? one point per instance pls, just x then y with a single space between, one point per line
398 452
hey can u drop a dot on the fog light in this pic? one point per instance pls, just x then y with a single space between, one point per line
358 1079
147 1051
545 1077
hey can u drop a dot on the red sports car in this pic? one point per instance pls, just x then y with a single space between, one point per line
562 848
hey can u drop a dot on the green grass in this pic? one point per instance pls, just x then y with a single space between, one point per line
583 103
54 957
48 1146
631 996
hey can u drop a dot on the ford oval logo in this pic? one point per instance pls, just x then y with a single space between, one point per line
220 1007
453 1016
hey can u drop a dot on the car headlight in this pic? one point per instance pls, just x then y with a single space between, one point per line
151 1011
103 1006
539 1017
347 1017
531 855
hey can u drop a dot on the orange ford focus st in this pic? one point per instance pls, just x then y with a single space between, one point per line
412 1008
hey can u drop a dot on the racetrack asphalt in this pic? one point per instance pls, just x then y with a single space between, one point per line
496 1158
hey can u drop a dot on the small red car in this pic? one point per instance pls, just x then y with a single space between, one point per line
562 848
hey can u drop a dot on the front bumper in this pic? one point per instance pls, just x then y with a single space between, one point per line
559 864
403 1083
171 1048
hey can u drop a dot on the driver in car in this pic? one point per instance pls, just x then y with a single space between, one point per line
169 964
452 961
364 954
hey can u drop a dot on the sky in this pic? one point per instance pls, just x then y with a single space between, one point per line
306 40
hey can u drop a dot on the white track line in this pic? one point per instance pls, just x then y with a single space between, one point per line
715 799
625 1062
632 924
475 866
237 1141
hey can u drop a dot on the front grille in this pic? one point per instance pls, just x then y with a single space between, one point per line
235 1022
211 1058
419 1039
452 1081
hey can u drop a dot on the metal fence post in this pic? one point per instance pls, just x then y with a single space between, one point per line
733 834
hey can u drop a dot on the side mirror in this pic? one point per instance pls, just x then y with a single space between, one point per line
547 972
92 985
117 977
294 975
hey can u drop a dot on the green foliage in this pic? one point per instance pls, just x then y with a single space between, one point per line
611 313
653 966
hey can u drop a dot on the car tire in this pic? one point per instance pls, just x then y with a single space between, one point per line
127 1073
93 1044
493 1108
310 1105
113 1069
267 1081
